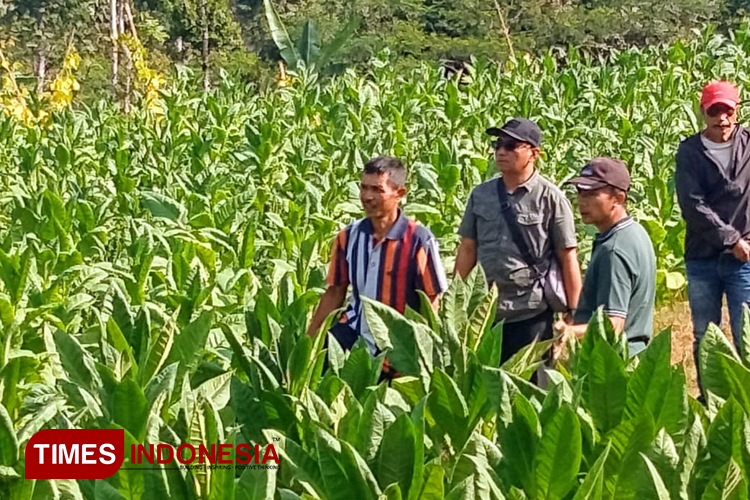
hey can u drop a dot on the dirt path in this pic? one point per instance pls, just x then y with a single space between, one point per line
678 316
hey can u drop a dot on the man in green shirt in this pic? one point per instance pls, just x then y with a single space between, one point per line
621 276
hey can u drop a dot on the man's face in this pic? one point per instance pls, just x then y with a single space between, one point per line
379 196
596 205
512 155
720 122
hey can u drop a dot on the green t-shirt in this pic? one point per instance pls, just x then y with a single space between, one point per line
621 277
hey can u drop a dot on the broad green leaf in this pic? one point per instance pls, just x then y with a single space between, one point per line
629 440
432 487
304 465
651 379
664 458
607 387
738 378
130 408
726 439
77 362
359 371
256 483
216 390
660 488
336 356
280 35
418 421
396 457
448 408
409 352
190 342
592 487
161 205
481 320
558 456
157 354
489 350
392 492
104 491
308 44
164 381
727 484
711 371
476 461
745 335
463 491
334 45
8 440
520 444
688 458
298 363
375 420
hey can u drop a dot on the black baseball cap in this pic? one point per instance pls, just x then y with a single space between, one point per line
601 172
521 129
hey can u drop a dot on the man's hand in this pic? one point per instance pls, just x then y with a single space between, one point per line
741 250
563 332
332 299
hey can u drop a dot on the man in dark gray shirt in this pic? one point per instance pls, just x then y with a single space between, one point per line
544 216
621 276
711 180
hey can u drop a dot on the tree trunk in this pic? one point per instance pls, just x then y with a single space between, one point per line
506 30
41 70
131 20
128 58
204 52
113 33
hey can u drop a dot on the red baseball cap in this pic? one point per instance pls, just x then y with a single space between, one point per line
720 92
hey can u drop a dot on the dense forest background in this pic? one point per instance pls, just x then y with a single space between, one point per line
235 34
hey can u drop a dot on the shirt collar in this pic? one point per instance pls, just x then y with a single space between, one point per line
529 183
621 224
397 231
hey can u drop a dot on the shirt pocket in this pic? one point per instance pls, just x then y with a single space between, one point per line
533 227
488 223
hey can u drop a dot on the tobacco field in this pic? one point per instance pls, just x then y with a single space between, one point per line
158 270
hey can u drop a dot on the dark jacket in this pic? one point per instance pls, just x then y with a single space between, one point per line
715 202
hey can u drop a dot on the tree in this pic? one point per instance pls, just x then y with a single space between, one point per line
308 49
42 29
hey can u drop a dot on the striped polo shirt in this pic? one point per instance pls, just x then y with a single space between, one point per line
390 271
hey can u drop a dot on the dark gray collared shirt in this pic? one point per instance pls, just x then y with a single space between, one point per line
545 214
715 201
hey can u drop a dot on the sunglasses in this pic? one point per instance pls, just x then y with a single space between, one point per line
718 109
507 143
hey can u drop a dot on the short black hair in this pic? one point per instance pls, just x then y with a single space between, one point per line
387 165
613 191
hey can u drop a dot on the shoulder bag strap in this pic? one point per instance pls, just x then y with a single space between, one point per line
511 220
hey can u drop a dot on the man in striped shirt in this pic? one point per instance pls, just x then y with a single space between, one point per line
385 257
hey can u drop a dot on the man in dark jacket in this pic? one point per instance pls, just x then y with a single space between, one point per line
712 180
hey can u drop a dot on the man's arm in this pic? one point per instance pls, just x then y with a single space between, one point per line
430 273
332 299
466 258
571 274
579 330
